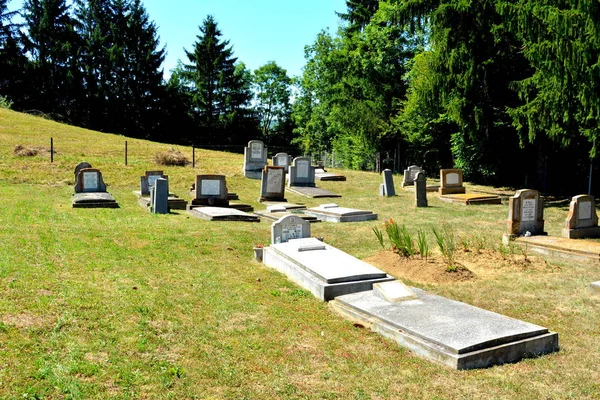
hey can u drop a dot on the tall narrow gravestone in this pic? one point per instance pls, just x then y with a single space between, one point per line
387 187
451 181
289 227
526 213
282 160
273 184
421 190
582 221
410 174
302 173
160 196
210 191
255 159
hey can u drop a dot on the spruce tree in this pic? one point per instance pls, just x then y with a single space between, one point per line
13 62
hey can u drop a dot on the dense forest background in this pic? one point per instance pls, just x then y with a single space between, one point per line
507 90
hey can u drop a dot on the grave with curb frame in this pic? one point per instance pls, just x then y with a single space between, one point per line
90 189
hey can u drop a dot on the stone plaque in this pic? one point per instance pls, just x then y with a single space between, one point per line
585 210
291 231
528 212
90 180
302 167
210 187
452 179
256 151
274 180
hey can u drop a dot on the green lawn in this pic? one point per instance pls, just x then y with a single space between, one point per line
120 303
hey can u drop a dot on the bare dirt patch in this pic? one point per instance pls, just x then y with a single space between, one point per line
469 266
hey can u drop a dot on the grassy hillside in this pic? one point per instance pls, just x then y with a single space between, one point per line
120 303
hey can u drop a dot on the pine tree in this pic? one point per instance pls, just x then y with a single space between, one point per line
219 94
13 63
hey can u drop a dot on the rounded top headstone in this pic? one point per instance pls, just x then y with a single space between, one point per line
80 166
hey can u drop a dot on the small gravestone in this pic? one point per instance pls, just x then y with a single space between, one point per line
211 190
160 196
147 181
273 184
255 159
282 160
90 190
451 181
410 174
302 173
582 221
420 190
387 187
289 227
526 213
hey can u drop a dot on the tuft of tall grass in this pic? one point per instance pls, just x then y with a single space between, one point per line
379 234
422 244
446 242
400 238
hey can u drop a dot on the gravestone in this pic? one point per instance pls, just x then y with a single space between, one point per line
582 221
302 173
420 190
322 269
410 174
334 213
282 160
451 181
89 180
160 196
211 190
526 213
147 181
81 166
90 190
255 159
289 227
272 187
387 187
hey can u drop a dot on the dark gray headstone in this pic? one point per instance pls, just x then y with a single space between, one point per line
289 227
160 196
89 180
387 188
81 166
302 173
420 190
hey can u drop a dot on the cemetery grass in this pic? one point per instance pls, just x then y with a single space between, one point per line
119 303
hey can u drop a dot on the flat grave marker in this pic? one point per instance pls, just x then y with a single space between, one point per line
222 214
334 213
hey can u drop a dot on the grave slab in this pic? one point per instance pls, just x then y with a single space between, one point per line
94 200
312 192
322 269
329 176
334 213
286 205
276 213
560 247
447 331
222 214
175 203
469 199
595 287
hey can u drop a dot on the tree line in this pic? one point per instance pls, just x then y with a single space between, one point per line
507 90
98 64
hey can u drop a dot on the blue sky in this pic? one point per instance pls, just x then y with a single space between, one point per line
259 30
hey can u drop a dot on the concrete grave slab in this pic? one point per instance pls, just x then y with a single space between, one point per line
312 192
469 199
334 213
447 331
560 247
174 202
284 204
322 269
275 214
94 200
393 291
595 287
222 214
329 176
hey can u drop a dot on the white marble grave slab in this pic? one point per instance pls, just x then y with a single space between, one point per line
334 213
222 214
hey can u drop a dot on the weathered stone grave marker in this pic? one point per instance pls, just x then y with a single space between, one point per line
273 184
160 196
387 187
289 227
582 221
282 160
526 213
410 174
302 173
420 190
451 181
255 159
90 189
211 190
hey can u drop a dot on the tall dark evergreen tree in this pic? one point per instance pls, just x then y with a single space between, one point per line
52 44
13 62
219 93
